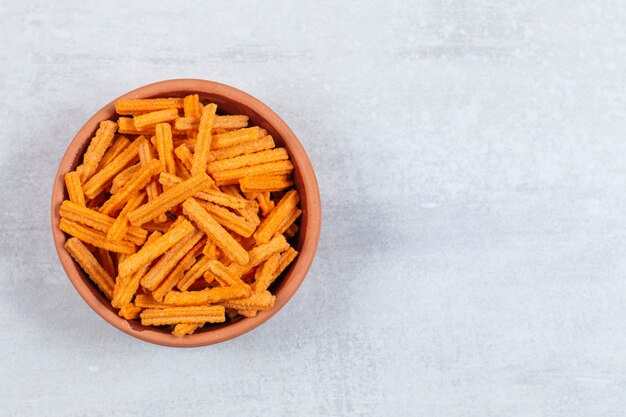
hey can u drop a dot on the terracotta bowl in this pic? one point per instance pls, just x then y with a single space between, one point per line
232 101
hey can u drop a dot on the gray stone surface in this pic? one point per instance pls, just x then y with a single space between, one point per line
470 156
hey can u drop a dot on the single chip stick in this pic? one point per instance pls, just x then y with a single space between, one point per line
184 155
207 296
260 184
90 265
170 198
95 237
192 107
147 301
153 189
289 221
74 188
165 146
130 311
263 157
94 186
231 122
265 203
224 274
235 137
263 300
275 219
205 222
186 123
116 148
193 273
229 220
98 146
232 176
118 229
179 271
155 276
106 260
265 273
126 287
182 329
137 183
176 315
123 177
148 253
261 144
139 106
149 119
258 255
203 140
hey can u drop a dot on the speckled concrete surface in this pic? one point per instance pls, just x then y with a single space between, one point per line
471 160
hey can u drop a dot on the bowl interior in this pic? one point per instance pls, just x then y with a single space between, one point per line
229 101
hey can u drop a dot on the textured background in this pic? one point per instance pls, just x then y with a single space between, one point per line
471 160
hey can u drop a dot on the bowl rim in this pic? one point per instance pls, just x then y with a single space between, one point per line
299 268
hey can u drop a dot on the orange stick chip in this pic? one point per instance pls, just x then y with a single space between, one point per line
289 221
106 260
205 222
232 176
90 265
123 177
275 219
258 255
265 273
235 137
186 123
116 148
192 107
168 261
139 106
120 225
176 315
137 183
153 189
74 188
184 155
263 300
207 296
149 119
95 185
98 146
126 287
148 253
285 259
193 273
178 272
265 203
165 146
231 122
223 274
204 139
261 184
263 157
126 126
182 329
170 198
130 311
147 301
101 222
229 220
261 144
95 237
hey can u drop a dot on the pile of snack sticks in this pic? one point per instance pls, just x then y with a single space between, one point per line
181 216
